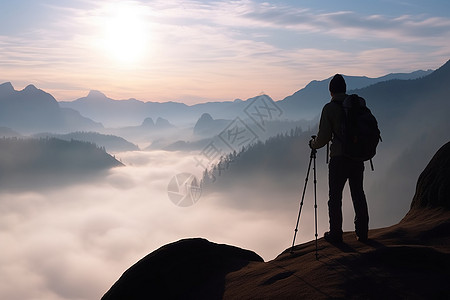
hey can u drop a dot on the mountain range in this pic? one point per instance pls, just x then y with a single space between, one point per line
308 101
32 110
305 103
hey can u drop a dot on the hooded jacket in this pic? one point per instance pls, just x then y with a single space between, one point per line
330 126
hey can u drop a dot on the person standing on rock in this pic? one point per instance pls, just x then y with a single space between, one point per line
341 168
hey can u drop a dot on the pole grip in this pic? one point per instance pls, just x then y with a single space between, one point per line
312 149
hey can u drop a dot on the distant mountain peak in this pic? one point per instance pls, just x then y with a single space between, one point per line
160 122
148 122
207 126
96 94
30 88
444 69
6 85
446 65
6 89
205 117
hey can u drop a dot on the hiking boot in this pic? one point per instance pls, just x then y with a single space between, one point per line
362 238
332 238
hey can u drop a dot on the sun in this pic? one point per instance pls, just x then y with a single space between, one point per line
125 35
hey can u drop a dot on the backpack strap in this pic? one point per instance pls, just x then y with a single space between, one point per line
336 135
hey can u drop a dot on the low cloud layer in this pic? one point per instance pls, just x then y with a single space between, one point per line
74 242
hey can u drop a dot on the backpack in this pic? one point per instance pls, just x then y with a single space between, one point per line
360 133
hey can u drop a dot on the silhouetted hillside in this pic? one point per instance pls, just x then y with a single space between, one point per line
162 123
283 155
180 145
29 108
33 110
207 130
308 102
388 91
207 126
26 163
73 120
111 143
398 101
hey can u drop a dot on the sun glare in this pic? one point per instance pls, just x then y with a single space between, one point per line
126 33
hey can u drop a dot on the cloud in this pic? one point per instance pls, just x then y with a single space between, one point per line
73 242
217 50
350 24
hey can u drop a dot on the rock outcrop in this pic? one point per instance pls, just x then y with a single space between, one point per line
187 269
433 186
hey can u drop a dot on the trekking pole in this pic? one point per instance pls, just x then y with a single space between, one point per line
328 152
313 153
311 157
371 165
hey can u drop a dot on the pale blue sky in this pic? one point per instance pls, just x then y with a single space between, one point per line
195 51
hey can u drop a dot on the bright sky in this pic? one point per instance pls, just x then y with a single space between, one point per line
194 51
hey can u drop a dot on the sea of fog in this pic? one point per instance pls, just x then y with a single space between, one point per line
75 241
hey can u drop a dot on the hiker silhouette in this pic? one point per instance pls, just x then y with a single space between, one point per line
341 168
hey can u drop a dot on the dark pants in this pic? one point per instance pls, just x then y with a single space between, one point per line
340 169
